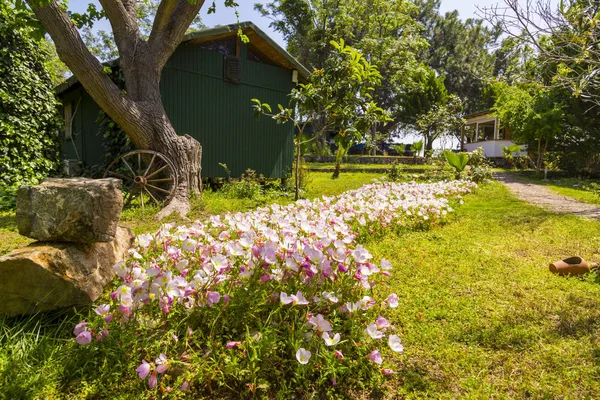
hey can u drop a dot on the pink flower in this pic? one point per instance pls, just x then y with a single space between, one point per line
143 370
152 381
338 354
184 386
231 345
226 299
382 322
80 327
162 364
375 356
102 309
374 332
395 344
387 371
213 298
320 323
392 300
84 338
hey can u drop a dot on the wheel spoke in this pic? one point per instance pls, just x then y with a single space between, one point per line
142 199
128 166
157 171
161 180
118 175
150 165
139 162
159 189
153 198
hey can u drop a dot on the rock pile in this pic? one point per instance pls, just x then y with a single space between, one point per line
76 223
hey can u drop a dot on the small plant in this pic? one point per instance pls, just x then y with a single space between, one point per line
416 148
394 174
508 153
458 161
480 167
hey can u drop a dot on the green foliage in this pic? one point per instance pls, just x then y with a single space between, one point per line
416 147
459 50
458 161
533 113
29 121
480 168
385 31
337 98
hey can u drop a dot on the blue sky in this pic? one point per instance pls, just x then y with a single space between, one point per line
224 16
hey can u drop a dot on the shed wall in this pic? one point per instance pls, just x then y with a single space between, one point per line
216 113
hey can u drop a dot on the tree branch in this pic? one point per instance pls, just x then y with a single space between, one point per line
172 19
73 52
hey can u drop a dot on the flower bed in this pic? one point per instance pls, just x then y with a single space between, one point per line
281 299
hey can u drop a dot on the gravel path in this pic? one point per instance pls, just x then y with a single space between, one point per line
543 197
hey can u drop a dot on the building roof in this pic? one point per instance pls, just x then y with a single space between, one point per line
258 38
478 114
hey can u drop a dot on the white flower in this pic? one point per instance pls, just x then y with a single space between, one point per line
392 300
374 332
320 323
330 296
331 341
386 265
395 343
303 355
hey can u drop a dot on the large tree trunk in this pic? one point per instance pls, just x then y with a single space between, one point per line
139 111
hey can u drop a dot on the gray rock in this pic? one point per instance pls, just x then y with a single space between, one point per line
70 210
48 276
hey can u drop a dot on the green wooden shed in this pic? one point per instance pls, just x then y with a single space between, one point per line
207 86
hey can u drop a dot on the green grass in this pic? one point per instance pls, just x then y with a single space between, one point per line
571 187
367 166
480 314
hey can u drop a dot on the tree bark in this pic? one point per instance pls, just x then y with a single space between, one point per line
139 112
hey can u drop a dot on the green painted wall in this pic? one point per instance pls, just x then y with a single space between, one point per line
217 113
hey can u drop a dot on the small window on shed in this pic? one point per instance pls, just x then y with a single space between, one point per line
68 117
232 71
225 46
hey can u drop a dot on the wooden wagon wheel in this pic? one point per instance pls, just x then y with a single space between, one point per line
146 174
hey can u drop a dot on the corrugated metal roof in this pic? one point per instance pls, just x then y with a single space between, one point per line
286 60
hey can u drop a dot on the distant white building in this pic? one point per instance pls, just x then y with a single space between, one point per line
485 130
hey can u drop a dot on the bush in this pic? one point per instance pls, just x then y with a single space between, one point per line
480 167
278 302
29 122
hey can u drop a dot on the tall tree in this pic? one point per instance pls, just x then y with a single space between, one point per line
385 31
459 50
139 110
566 37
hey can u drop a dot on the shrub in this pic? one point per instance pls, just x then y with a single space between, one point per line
29 121
278 301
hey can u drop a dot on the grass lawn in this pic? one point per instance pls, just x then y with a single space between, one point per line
571 187
369 166
480 315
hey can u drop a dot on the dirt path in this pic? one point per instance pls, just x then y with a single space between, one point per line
544 197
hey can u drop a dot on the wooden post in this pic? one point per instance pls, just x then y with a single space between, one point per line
476 132
462 138
496 125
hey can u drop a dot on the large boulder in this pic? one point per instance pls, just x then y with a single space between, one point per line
70 210
48 276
